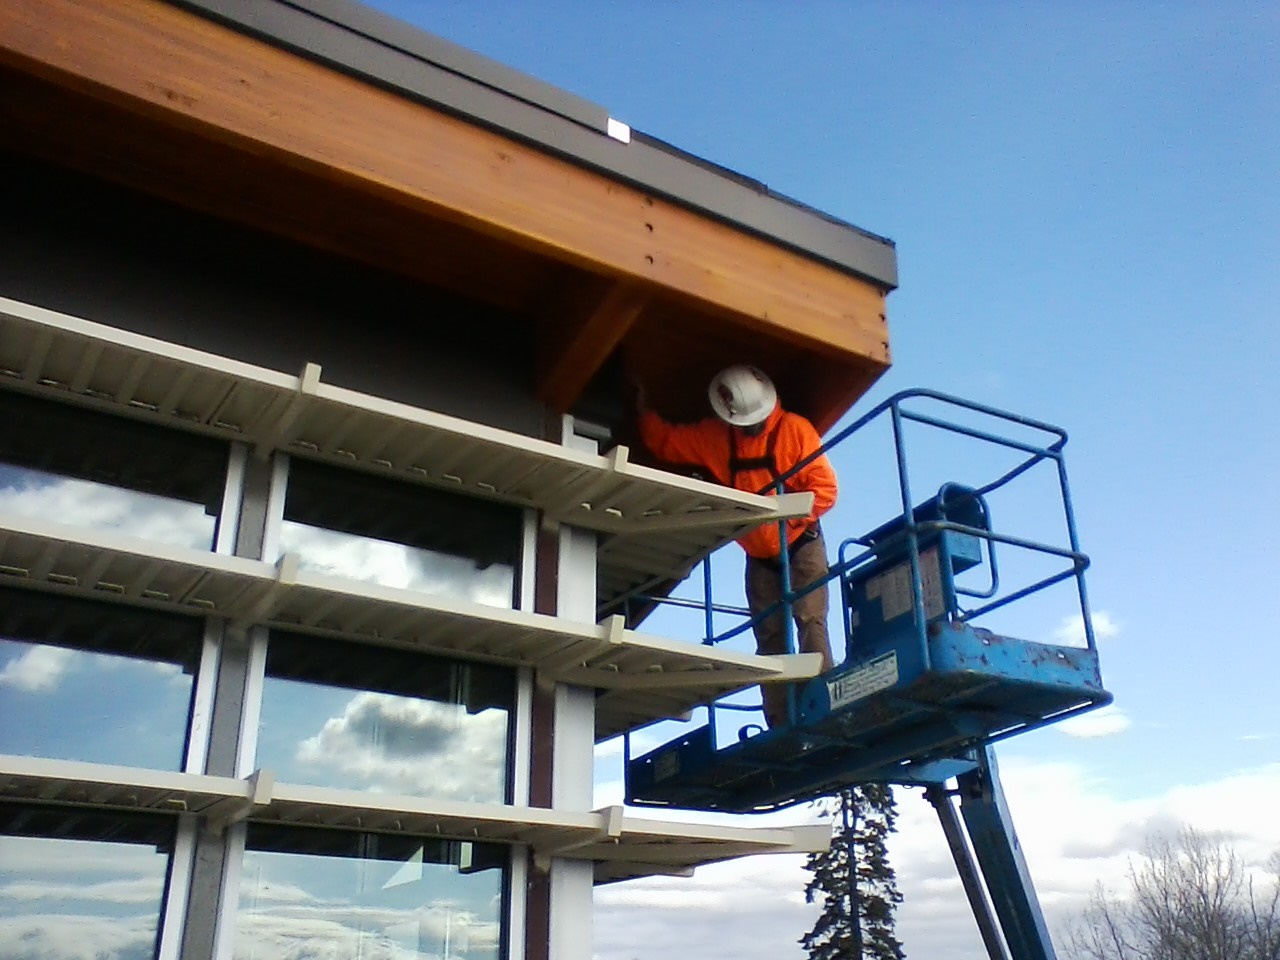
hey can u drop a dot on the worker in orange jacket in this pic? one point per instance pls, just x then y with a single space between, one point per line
749 444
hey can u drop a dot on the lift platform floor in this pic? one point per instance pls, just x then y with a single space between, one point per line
879 718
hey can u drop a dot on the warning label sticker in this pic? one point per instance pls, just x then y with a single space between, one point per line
893 588
878 674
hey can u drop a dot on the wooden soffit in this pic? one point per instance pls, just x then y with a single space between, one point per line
479 205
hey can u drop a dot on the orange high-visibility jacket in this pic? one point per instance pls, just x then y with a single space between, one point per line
718 447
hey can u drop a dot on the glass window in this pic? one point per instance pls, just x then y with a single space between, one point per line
77 884
363 527
79 467
338 714
333 894
91 681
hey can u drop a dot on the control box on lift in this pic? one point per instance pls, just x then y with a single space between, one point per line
965 669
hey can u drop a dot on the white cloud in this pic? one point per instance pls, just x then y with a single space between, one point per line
31 857
38 670
748 909
406 745
280 894
1070 632
274 937
1106 721
1075 829
41 669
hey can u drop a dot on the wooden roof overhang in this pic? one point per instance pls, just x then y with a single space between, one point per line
618 279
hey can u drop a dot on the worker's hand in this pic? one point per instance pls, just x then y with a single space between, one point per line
641 397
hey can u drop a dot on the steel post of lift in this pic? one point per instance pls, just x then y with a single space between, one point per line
967 868
999 855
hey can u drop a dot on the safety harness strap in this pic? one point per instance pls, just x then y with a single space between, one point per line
738 464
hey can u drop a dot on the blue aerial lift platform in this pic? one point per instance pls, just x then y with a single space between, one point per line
924 688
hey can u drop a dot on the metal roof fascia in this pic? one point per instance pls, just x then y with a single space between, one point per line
366 43
308 26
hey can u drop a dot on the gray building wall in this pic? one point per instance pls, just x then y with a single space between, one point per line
77 245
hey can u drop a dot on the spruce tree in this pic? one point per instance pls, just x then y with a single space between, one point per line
855 880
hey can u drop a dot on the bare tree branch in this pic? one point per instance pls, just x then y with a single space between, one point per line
1189 897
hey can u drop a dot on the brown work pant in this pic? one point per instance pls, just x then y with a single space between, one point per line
764 588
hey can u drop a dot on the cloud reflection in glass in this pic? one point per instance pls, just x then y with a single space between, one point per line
390 564
326 893
82 680
67 892
35 494
339 714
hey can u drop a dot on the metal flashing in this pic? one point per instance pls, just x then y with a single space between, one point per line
365 43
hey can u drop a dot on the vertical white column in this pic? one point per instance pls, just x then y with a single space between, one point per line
176 895
225 735
522 739
522 749
573 753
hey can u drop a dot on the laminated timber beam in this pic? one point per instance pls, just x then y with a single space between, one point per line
577 341
622 847
213 85
143 153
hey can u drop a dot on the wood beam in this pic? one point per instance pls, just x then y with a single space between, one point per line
835 387
573 348
145 154
169 64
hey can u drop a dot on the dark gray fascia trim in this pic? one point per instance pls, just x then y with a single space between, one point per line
366 43
331 30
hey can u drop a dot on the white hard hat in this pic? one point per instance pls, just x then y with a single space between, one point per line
742 395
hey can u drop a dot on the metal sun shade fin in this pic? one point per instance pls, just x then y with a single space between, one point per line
84 362
170 401
85 368
124 391
147 378
196 581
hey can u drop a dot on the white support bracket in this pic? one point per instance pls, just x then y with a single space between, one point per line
792 668
612 632
608 871
267 598
577 498
307 385
232 810
790 506
610 828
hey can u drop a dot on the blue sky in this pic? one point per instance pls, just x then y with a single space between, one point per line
1087 211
